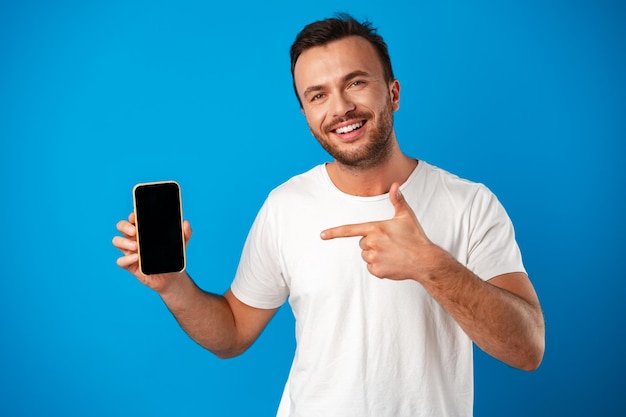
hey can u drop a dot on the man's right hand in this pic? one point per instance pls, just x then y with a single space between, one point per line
222 324
127 244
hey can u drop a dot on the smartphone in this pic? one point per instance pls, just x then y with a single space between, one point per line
159 221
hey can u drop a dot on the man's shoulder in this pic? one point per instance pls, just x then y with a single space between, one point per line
299 185
440 178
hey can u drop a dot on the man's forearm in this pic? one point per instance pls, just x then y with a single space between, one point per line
503 318
206 318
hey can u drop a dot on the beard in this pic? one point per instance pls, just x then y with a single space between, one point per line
376 147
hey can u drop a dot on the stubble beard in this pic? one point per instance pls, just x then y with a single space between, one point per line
374 152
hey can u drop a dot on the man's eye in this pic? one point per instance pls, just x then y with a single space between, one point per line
358 83
317 97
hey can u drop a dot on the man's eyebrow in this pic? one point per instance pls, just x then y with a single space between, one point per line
355 74
312 89
350 76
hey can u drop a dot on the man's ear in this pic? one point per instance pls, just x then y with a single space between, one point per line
394 93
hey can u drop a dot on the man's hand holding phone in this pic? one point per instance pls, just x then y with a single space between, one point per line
154 237
127 244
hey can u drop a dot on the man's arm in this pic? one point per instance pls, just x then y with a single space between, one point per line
222 324
502 316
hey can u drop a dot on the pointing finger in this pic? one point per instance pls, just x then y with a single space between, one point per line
348 230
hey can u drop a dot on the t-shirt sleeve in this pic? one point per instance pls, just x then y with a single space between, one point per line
259 281
492 248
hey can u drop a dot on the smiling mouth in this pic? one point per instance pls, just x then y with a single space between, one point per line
350 128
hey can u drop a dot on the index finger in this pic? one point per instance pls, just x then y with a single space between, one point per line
126 227
348 230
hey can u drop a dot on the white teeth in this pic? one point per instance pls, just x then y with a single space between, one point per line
349 128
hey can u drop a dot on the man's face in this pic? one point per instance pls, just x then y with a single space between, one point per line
347 103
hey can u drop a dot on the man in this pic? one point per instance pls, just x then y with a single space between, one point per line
392 266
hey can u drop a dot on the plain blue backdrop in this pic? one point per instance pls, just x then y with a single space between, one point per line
527 97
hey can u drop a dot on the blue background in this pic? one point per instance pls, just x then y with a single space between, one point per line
527 97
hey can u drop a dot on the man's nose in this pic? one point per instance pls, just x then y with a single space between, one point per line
341 104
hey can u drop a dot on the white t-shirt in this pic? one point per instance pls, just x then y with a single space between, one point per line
368 346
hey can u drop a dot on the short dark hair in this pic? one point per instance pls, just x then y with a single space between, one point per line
343 25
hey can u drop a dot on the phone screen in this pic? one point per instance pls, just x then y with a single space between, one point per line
158 216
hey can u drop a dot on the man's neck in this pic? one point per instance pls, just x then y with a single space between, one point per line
372 181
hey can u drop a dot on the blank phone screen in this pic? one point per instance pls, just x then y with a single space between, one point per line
159 228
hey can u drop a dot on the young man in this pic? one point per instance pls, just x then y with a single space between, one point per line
392 266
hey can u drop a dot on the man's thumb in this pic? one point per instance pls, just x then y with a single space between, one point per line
397 199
